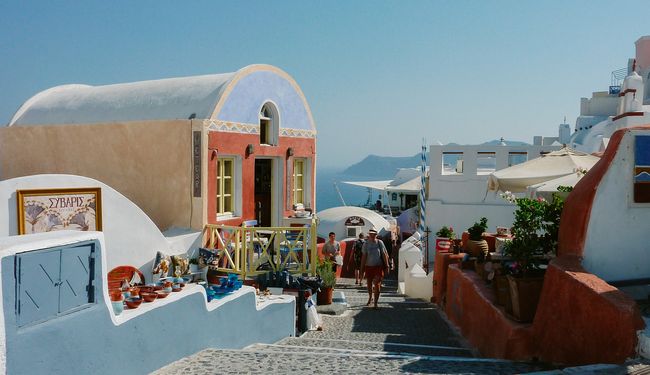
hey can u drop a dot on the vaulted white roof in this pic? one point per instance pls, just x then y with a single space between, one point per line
172 98
201 97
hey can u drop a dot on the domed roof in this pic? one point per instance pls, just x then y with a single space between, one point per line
333 220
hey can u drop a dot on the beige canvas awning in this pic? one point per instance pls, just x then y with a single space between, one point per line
548 188
544 168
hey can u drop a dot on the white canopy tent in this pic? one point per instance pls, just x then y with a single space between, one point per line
377 185
547 167
411 186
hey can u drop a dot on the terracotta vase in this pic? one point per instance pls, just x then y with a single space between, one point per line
325 296
474 248
524 295
116 295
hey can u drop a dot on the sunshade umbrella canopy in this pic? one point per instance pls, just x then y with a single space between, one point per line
547 167
548 188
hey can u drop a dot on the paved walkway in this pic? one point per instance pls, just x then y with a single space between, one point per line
403 336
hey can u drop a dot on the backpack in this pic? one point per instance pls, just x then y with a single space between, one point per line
358 245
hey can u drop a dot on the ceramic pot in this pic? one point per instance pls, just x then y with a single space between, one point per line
502 292
116 295
474 248
524 295
133 302
149 296
118 307
325 296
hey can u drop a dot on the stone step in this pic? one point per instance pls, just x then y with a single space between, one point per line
308 362
377 347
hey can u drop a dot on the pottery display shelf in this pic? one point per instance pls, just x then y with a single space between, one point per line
190 289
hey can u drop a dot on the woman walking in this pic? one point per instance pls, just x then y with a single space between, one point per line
374 264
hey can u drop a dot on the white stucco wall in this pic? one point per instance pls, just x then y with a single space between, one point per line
94 340
131 237
616 245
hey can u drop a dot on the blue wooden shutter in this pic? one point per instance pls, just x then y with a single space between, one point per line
38 290
76 279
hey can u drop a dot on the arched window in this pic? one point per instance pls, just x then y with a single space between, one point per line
269 124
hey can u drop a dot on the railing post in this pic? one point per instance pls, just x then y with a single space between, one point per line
244 261
313 247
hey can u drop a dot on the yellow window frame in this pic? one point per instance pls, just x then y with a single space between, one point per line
225 186
299 181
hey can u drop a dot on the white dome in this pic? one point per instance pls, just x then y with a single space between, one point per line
333 220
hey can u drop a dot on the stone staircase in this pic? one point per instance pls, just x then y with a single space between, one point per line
403 336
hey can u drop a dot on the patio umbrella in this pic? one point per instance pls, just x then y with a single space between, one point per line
547 167
548 188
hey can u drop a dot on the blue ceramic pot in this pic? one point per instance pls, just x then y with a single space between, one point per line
118 307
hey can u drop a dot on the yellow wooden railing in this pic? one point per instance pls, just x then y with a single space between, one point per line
249 251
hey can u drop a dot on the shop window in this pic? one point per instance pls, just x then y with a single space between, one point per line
225 186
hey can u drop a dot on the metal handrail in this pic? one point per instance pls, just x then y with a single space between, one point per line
243 250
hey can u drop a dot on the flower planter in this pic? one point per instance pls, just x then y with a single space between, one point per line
325 296
524 295
480 270
474 248
502 292
443 245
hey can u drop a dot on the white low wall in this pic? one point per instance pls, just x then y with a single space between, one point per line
131 237
95 341
418 284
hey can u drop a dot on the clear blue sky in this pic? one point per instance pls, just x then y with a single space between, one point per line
379 75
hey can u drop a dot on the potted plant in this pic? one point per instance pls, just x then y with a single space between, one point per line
328 280
476 245
444 239
535 232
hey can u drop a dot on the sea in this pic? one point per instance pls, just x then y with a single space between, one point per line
328 197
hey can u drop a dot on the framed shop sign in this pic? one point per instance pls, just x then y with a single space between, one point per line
47 210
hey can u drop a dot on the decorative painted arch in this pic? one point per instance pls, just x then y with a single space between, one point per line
255 85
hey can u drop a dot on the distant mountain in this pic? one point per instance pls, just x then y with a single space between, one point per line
383 167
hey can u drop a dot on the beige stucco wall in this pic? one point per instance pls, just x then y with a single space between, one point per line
149 162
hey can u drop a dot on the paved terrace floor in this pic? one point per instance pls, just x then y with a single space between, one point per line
404 336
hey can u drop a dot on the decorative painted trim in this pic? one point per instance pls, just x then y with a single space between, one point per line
230 127
626 114
297 133
238 127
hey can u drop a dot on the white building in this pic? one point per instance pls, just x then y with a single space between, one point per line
620 107
457 191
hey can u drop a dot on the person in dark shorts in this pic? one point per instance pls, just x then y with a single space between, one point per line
374 263
358 246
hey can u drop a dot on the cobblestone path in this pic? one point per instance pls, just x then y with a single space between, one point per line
403 336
